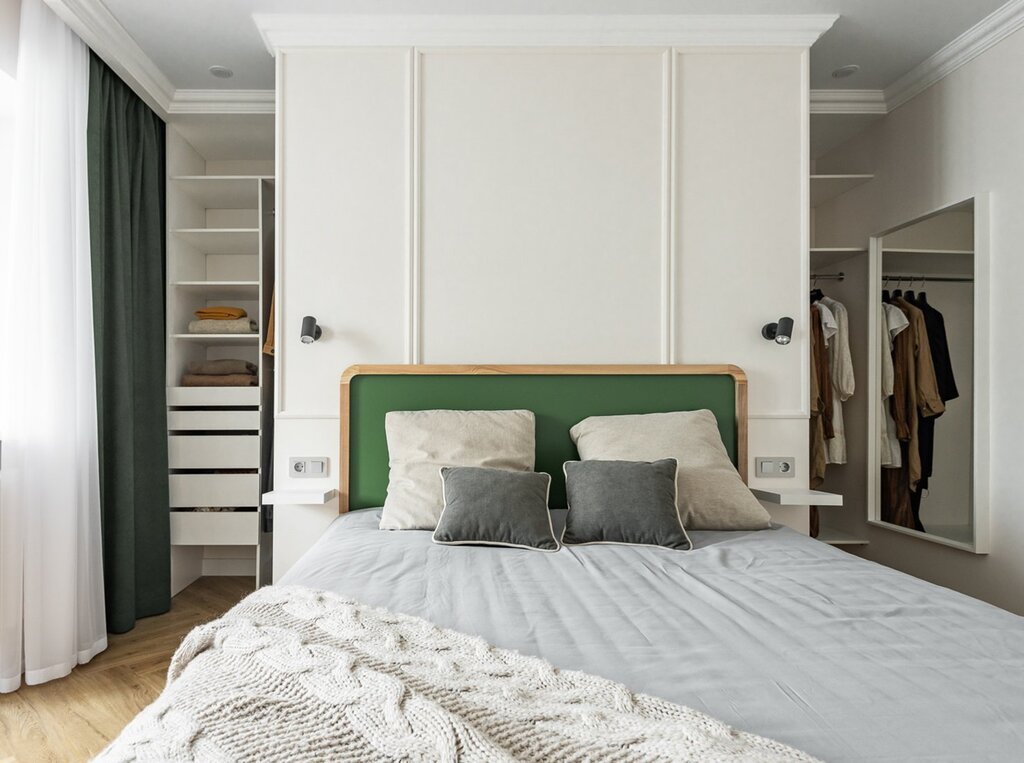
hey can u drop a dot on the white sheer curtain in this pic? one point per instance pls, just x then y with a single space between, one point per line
51 573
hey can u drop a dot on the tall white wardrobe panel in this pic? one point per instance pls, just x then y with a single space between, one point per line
344 163
741 148
542 205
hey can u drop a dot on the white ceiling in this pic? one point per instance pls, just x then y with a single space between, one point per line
887 38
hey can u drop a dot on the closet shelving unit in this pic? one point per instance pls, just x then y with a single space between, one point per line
220 243
831 261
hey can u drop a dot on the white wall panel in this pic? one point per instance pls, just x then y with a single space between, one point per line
741 148
537 205
343 221
542 206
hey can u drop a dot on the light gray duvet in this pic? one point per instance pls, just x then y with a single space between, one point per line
768 631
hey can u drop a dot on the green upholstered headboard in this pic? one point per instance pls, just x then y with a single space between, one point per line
559 396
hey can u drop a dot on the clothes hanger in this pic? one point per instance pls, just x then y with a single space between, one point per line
898 292
922 298
886 297
816 293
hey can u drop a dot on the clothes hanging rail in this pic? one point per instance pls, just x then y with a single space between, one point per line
925 279
840 276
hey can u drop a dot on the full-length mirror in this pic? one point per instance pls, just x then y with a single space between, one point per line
927 372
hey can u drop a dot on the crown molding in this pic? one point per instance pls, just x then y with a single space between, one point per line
990 30
995 27
98 28
848 102
222 102
283 31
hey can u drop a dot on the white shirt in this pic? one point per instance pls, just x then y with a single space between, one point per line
892 324
841 370
829 327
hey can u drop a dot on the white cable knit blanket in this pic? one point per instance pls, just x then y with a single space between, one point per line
293 674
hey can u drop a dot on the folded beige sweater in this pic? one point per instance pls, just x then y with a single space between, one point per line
239 326
221 367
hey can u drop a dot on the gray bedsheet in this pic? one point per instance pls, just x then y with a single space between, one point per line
768 631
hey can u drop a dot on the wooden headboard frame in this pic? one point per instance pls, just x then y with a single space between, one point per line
739 377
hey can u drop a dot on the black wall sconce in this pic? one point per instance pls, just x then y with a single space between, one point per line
310 330
780 332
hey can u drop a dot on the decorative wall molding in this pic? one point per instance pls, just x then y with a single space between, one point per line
222 102
848 102
669 262
281 31
990 30
414 258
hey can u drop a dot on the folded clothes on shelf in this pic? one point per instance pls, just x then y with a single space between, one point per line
212 326
220 313
219 380
221 367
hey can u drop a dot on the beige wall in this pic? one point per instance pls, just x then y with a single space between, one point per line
629 205
962 137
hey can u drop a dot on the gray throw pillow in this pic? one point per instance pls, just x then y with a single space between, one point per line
495 507
631 502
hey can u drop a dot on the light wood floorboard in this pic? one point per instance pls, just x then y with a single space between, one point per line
73 718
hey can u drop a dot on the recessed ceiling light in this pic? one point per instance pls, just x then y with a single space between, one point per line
846 71
224 72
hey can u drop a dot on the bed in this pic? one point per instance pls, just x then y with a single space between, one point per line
770 631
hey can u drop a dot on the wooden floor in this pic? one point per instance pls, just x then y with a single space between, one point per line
73 718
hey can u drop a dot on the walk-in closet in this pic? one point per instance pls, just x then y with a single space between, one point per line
902 447
220 281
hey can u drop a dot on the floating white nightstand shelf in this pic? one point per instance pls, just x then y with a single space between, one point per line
311 497
798 497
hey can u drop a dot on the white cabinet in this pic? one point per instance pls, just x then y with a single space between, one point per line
220 252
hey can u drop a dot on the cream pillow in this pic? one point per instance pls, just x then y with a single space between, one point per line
710 493
421 442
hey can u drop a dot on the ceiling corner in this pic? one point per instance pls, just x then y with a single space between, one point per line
98 28
998 25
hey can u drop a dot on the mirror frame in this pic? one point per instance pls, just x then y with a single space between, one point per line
980 414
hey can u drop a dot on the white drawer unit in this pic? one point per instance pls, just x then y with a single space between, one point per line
214 451
215 528
213 396
213 420
220 252
236 490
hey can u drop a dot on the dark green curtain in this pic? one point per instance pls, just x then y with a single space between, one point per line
126 215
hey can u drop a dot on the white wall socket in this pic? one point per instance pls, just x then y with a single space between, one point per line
315 466
774 466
